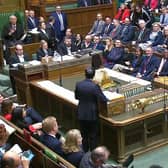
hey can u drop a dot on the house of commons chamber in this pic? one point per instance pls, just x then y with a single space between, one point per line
83 83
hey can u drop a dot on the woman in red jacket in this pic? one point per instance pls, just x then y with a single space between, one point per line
123 12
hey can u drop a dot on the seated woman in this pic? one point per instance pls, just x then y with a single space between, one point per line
108 47
72 147
27 118
6 109
122 13
131 67
116 55
23 117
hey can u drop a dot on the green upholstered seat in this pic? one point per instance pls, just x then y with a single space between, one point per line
5 70
5 80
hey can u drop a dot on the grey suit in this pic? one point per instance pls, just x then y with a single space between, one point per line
97 27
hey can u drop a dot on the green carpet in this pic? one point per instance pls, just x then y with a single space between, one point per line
158 156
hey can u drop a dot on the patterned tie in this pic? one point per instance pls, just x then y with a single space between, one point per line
140 35
163 18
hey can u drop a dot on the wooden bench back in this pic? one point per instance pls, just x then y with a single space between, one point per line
40 160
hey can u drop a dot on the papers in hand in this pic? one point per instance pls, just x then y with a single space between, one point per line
16 148
8 127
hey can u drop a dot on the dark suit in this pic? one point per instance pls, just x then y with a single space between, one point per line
62 49
74 157
52 143
148 67
44 36
88 94
32 23
164 71
52 43
115 33
81 3
97 27
14 59
127 33
142 36
60 33
158 39
12 39
40 53
107 30
115 57
99 46
83 45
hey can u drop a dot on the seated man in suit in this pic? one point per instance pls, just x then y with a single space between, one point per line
98 45
97 26
18 57
108 27
163 66
116 55
69 34
115 33
67 47
149 65
164 17
142 34
49 138
87 43
44 52
127 32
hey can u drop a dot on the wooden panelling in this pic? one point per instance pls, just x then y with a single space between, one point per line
28 49
80 19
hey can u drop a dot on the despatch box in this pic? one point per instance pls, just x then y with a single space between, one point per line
115 105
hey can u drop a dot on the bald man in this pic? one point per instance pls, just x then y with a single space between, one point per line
13 160
96 158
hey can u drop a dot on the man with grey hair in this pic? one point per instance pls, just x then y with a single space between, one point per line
142 33
95 158
12 32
